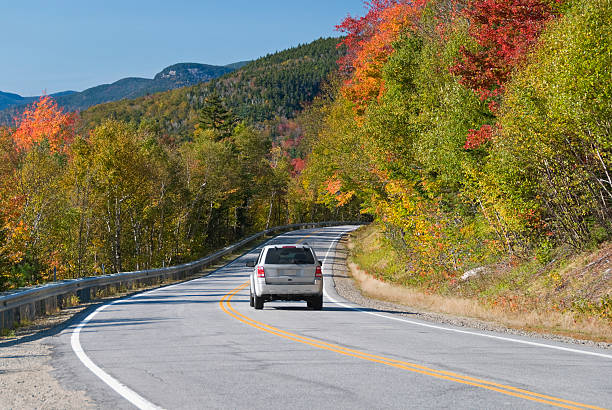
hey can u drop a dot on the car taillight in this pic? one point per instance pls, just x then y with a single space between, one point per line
261 273
318 272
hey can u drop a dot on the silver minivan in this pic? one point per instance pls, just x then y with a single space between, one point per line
286 272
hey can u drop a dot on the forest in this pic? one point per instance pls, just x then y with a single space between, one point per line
470 130
118 198
159 180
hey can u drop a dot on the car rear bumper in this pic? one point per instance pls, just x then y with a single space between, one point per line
293 291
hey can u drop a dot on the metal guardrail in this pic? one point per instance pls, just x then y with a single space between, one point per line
28 303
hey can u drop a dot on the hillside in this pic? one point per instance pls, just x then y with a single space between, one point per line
239 64
174 76
273 86
569 296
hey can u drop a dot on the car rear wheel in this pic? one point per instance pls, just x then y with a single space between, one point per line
251 300
258 302
315 302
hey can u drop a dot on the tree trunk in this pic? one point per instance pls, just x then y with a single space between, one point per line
270 210
117 236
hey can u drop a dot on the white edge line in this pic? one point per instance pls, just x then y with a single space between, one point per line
507 339
124 391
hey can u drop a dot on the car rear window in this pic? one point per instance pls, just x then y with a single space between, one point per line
289 256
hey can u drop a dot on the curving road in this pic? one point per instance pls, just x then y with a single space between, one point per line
198 344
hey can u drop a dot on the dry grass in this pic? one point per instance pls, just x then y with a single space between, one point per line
578 277
565 324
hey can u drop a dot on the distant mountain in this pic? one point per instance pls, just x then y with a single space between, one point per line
175 76
9 99
276 85
185 74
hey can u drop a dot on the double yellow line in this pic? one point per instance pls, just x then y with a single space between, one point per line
227 307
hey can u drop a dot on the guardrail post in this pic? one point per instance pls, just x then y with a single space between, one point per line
50 305
67 299
84 295
26 312
7 319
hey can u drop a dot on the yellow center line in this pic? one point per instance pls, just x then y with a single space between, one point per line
508 390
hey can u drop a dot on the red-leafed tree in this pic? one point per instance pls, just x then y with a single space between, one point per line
298 165
359 30
504 30
476 138
45 121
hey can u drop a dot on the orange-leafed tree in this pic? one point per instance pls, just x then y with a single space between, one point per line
369 44
44 121
35 208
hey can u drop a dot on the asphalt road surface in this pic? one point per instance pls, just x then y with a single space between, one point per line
198 344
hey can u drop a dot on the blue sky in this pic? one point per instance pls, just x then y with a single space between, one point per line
58 45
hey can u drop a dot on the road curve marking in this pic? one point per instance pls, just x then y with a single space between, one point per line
124 391
227 307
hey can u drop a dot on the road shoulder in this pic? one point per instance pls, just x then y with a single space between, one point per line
347 287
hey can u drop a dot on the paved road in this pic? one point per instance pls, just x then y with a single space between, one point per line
199 345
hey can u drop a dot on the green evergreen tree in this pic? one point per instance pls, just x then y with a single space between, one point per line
215 116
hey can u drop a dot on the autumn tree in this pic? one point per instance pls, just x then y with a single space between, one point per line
38 220
359 31
551 164
503 32
118 174
369 43
45 122
12 230
256 175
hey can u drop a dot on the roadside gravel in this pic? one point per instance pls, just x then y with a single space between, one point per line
26 375
347 287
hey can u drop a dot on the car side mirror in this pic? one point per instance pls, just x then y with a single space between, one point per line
250 264
320 263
